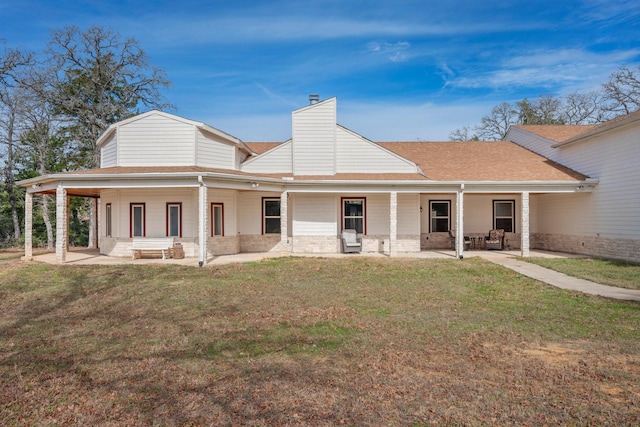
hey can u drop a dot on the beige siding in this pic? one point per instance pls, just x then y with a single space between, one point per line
378 214
228 199
250 212
155 201
408 214
277 160
156 140
213 152
315 215
314 139
109 152
357 155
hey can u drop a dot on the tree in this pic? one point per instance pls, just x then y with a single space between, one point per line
584 108
622 91
464 133
101 80
495 125
12 64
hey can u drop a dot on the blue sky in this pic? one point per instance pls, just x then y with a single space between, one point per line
401 70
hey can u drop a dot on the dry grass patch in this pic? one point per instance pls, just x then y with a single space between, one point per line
311 342
612 273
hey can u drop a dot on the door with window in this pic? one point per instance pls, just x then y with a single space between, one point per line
137 219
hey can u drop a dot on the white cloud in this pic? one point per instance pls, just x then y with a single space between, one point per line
395 52
561 69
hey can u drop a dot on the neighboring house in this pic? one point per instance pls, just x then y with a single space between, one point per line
603 223
163 175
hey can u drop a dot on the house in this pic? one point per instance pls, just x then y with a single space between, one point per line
604 222
163 175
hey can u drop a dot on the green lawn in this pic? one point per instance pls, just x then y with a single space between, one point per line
612 273
303 341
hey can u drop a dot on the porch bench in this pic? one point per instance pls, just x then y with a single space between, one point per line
162 244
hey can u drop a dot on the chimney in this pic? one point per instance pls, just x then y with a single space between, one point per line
313 99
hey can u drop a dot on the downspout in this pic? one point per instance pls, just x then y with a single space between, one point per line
202 221
460 223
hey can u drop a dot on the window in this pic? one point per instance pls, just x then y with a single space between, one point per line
270 216
217 219
504 215
108 220
174 219
137 226
440 215
353 214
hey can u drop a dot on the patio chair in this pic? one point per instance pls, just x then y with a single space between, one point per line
495 239
351 243
467 241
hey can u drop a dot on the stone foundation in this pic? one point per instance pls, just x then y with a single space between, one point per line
315 244
597 247
259 242
223 245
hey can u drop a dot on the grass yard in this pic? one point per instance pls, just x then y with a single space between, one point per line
612 273
300 341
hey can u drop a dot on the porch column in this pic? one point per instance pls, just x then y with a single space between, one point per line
61 224
393 223
202 223
524 244
28 226
284 218
460 222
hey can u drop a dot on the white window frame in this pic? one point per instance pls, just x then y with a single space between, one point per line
511 217
171 208
265 217
214 217
344 216
132 216
433 217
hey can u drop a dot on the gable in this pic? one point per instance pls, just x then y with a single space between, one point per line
355 154
156 139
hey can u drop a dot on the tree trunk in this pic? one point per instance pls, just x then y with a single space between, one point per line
47 222
9 182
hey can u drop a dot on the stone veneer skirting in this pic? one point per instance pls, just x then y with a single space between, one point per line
599 247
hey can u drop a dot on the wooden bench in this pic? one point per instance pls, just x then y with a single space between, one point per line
161 244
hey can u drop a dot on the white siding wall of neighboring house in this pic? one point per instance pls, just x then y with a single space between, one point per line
531 141
314 139
109 152
213 152
277 160
611 211
315 215
567 214
357 155
156 140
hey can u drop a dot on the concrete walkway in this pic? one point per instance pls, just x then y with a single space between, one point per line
504 258
560 280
